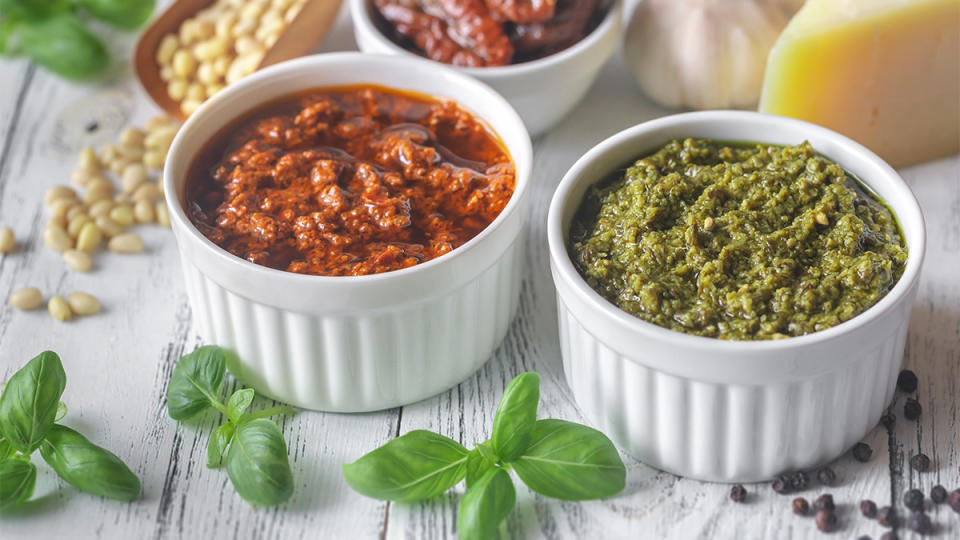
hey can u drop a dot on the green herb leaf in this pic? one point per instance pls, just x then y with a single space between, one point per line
238 403
28 404
219 440
413 467
17 480
516 415
486 505
61 411
63 45
195 383
257 463
6 449
7 26
88 467
477 465
33 10
571 461
128 14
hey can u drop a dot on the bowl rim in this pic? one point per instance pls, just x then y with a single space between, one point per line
905 203
522 158
361 18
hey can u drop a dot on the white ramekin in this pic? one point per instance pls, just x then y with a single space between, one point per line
360 343
544 90
726 410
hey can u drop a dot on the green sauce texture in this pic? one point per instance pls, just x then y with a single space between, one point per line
737 241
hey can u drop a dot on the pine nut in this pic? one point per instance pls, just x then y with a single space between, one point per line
97 192
177 89
148 191
7 240
27 299
119 164
60 207
160 138
132 137
163 214
76 225
74 211
154 159
189 106
109 227
77 260
83 304
126 243
101 208
80 177
183 63
134 175
88 160
144 212
56 238
168 46
122 214
59 192
108 153
89 238
59 309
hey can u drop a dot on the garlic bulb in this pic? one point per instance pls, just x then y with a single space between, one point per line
704 54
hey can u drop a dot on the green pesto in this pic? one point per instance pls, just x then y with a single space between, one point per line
737 241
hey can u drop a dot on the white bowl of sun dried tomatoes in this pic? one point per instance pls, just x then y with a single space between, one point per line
350 225
542 55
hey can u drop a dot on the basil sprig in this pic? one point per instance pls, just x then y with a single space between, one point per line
30 406
556 458
53 35
252 446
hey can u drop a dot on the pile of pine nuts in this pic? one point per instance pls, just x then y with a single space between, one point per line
220 45
79 224
77 303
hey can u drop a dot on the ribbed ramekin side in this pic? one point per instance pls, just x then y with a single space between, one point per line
727 432
365 361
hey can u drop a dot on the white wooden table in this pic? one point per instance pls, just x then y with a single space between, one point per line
118 364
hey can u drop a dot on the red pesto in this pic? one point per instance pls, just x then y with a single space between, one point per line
348 181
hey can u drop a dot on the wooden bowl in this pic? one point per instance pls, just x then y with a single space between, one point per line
301 36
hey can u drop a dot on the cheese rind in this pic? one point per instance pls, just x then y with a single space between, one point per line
884 72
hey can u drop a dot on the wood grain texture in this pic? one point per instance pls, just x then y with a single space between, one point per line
118 364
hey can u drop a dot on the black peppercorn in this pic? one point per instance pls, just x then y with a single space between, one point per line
912 409
886 516
800 506
799 481
954 500
781 485
920 463
827 477
738 493
824 502
938 494
868 508
920 523
913 499
826 520
907 381
888 420
862 452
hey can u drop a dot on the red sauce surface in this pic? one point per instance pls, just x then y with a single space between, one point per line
349 181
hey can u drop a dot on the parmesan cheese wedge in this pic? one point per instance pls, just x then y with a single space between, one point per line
884 72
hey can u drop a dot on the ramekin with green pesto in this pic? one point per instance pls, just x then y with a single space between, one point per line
737 240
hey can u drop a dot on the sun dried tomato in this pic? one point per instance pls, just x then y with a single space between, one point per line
522 11
572 21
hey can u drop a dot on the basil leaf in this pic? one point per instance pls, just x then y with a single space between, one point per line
7 26
128 14
238 403
219 440
413 467
196 382
88 467
33 10
486 505
516 415
61 411
6 449
477 465
63 45
571 461
17 480
257 463
29 402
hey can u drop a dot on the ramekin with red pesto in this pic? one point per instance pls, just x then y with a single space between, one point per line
350 227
